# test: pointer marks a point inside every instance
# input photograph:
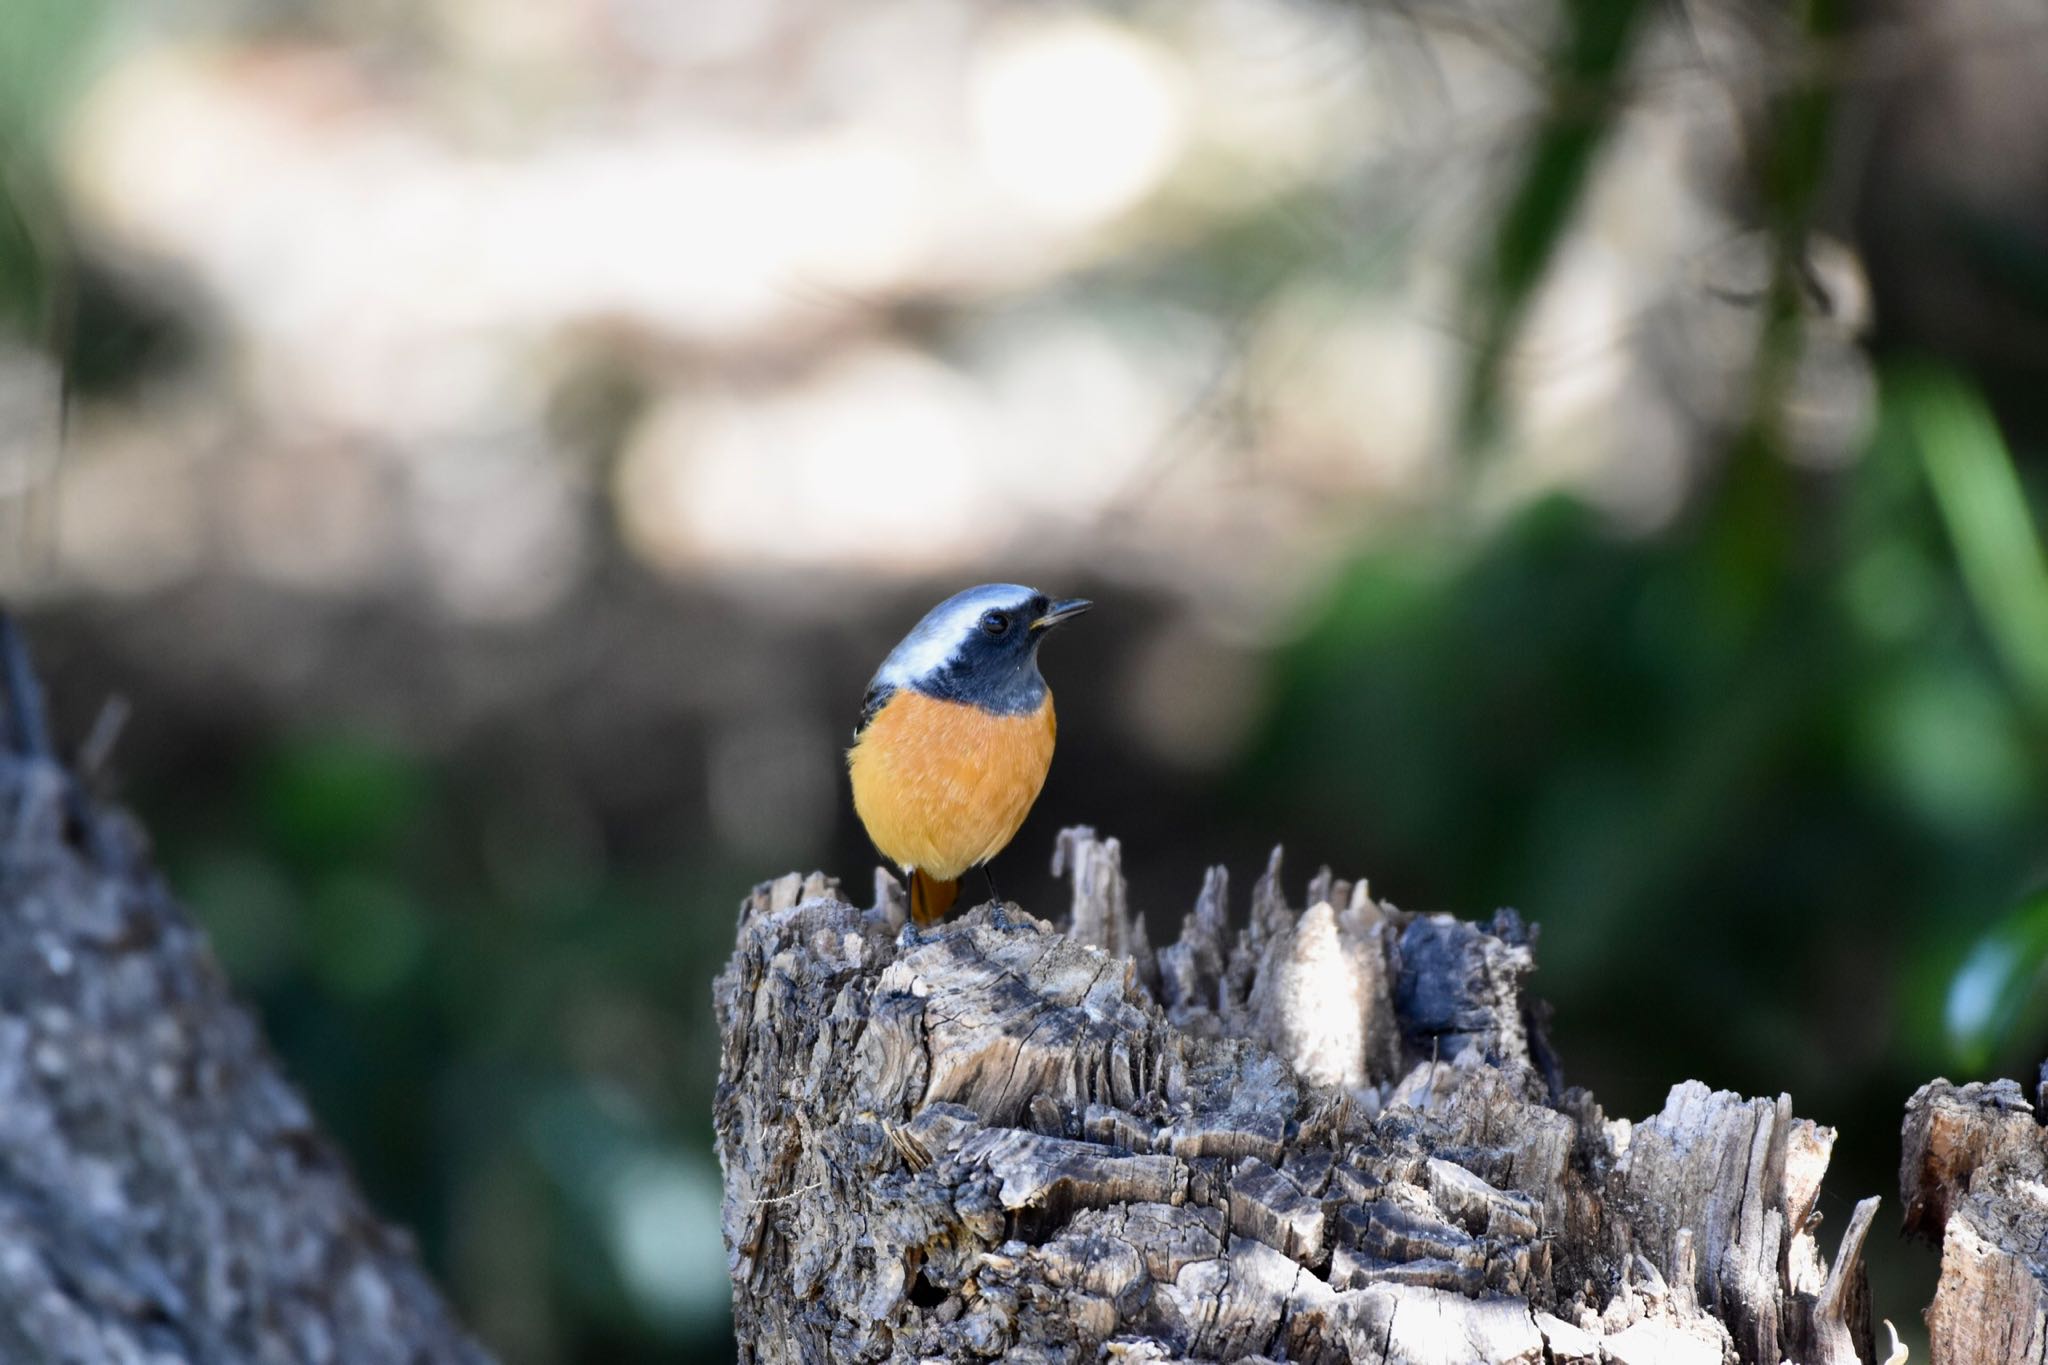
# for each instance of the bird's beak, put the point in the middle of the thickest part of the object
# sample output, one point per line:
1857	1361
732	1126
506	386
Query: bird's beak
1062	611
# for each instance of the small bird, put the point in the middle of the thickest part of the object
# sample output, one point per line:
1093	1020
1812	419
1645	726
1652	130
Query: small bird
955	737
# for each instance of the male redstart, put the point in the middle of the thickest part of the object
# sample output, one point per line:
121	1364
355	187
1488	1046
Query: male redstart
955	737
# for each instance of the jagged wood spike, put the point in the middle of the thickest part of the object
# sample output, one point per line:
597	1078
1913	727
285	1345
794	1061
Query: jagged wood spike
28	731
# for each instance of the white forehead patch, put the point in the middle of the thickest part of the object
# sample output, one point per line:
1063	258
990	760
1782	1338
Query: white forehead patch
934	641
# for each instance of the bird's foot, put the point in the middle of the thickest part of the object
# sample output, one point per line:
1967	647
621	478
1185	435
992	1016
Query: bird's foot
909	936
998	908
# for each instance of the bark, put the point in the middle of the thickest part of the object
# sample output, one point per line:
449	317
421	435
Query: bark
165	1195
1974	1178
1334	1135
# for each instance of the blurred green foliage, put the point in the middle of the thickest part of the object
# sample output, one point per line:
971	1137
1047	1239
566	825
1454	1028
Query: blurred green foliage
1816	786
505	1033
43	44
1998	986
1988	519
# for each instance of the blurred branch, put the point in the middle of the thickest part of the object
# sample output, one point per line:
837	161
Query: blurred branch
1870	53
27	731
1585	96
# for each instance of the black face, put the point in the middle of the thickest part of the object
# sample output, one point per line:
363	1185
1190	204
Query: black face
996	666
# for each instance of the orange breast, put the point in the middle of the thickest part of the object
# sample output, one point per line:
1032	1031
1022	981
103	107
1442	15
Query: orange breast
943	785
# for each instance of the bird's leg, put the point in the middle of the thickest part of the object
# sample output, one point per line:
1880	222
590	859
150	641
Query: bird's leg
908	936
997	915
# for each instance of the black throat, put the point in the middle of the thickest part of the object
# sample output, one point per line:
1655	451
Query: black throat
996	675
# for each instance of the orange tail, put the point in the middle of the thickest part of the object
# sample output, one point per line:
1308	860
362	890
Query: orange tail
930	898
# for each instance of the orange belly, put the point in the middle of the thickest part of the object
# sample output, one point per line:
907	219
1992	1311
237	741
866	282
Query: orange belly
942	785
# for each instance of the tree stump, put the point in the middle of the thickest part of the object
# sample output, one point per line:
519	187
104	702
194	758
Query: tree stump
1334	1135
165	1195
1974	1177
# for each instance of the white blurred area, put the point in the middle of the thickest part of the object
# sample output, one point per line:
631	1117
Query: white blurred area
1173	291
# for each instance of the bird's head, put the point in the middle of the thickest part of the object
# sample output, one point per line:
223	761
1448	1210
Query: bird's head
981	646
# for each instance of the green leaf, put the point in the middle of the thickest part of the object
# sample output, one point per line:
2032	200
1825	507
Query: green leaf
1984	509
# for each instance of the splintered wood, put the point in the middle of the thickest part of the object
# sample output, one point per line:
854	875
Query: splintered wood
1333	1135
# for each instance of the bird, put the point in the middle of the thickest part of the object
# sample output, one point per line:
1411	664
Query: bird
955	737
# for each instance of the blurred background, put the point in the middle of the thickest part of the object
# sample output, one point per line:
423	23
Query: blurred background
1579	455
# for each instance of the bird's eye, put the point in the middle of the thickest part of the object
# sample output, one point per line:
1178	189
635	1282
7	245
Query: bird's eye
995	622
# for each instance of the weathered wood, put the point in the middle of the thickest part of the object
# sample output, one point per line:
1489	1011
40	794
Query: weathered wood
165	1195
1335	1135
1974	1177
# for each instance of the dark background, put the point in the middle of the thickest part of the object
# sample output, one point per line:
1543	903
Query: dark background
1579	457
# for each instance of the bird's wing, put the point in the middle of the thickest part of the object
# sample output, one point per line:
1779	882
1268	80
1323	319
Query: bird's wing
877	697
